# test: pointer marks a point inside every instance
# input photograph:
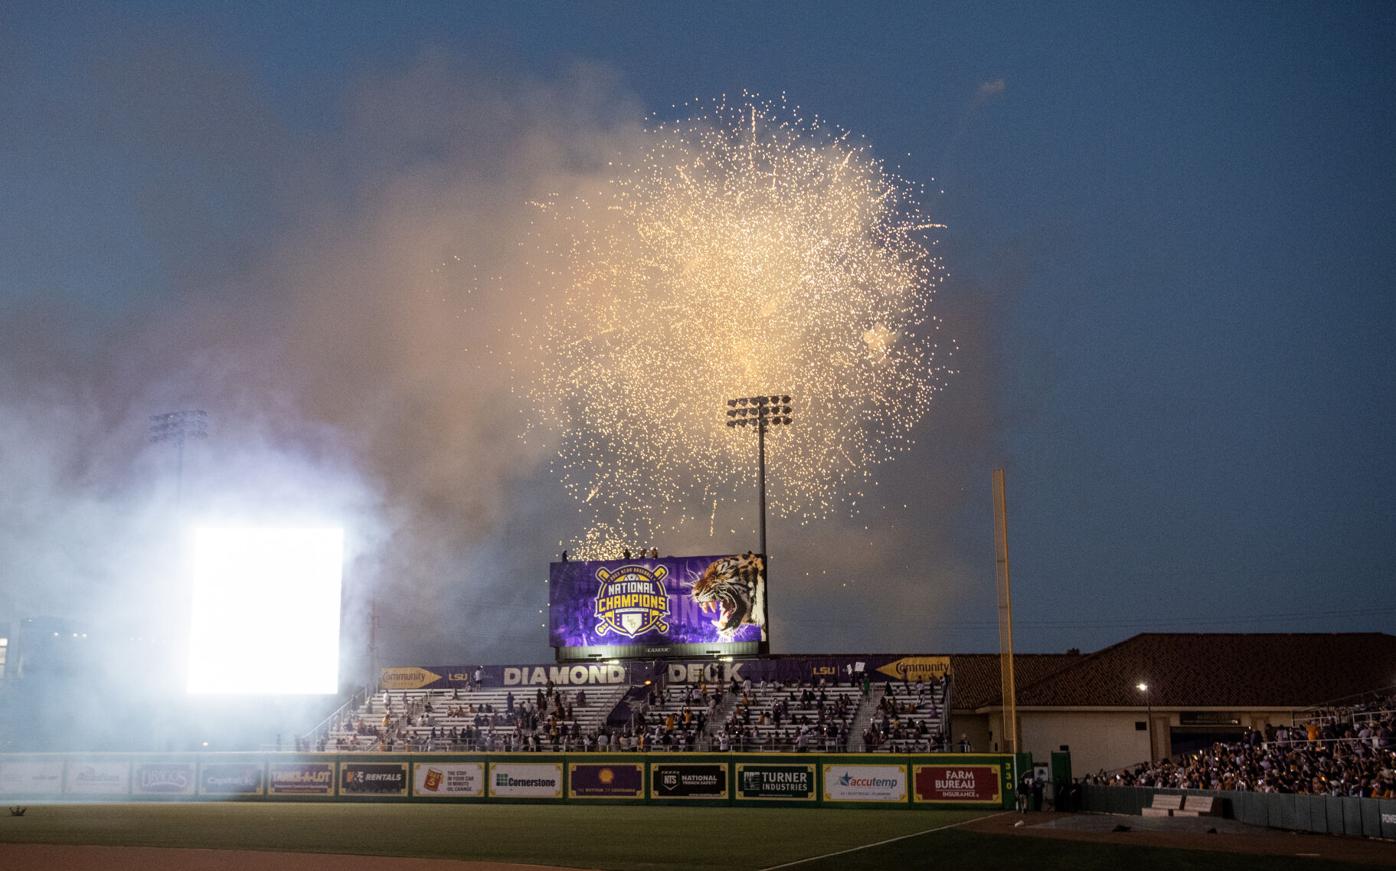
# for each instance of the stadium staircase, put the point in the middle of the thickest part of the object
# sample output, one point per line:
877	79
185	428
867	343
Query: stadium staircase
864	717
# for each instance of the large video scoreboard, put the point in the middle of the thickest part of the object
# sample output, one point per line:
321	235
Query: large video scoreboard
652	608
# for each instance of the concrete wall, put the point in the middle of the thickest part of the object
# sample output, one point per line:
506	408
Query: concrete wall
1098	739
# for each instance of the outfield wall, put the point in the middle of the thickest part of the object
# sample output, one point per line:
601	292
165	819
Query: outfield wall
1324	814
947	780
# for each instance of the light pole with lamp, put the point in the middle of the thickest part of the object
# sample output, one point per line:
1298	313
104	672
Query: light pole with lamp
760	412
1143	687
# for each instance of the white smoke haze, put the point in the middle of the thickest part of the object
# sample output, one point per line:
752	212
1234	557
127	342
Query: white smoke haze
339	295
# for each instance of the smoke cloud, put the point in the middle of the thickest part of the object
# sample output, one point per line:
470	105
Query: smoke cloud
338	292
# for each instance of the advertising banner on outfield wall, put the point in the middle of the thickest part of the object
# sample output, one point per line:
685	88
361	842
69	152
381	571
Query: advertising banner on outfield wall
300	778
103	777
373	778
958	784
653	604
31	777
606	780
526	779
775	782
865	783
163	778
688	780
230	778
448	779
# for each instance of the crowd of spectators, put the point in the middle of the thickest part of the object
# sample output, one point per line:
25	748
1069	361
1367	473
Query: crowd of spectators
1348	751
909	717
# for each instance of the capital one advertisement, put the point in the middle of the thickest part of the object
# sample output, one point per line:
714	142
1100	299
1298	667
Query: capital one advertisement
31	777
670	605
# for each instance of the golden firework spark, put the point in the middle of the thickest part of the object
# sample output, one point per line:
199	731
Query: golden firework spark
746	251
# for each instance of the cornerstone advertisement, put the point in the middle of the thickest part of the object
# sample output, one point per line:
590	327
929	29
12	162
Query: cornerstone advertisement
373	778
688	780
960	784
607	780
448	779
230	778
526	779
300	778
865	783
97	778
668	600
163	778
775	782
31	777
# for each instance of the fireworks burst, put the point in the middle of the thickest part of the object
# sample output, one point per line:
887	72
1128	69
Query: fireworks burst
746	251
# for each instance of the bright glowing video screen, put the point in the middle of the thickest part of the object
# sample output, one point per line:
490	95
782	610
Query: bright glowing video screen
666	606
266	610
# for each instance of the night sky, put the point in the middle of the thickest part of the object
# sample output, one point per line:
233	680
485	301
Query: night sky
1170	256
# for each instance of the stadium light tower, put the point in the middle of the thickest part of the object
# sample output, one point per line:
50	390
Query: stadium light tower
760	412
1143	687
178	427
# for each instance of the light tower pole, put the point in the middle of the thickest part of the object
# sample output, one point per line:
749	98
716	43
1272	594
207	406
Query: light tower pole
177	427
760	412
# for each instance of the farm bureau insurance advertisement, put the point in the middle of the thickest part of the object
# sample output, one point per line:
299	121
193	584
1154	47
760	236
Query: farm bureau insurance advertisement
670	600
877	783
448	779
957	783
775	782
526	779
36	777
300	778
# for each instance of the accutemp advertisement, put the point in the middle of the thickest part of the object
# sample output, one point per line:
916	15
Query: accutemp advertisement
870	783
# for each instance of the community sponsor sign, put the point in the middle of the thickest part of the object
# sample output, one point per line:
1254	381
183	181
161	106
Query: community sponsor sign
961	784
230	778
300	778
373	778
870	783
656	602
31	777
448	779
526	779
916	668
607	780
693	780
163	778
84	777
783	782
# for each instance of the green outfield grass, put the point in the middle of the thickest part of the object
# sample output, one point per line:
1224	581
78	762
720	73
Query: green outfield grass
609	837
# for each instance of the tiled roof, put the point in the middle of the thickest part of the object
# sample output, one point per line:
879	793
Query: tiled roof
1214	670
976	675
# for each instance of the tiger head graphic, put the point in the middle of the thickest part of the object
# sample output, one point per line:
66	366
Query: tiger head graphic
735	588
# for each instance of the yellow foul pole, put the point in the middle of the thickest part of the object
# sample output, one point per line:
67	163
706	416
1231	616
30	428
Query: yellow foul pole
1010	692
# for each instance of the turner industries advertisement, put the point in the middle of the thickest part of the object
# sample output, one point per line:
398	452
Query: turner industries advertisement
759	781
957	784
665	606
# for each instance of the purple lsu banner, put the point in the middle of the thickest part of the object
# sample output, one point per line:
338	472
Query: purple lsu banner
689	600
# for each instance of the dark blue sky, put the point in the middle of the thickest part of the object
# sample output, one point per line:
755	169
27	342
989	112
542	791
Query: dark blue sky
1172	257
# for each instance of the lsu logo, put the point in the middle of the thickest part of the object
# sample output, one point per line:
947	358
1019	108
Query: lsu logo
631	601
